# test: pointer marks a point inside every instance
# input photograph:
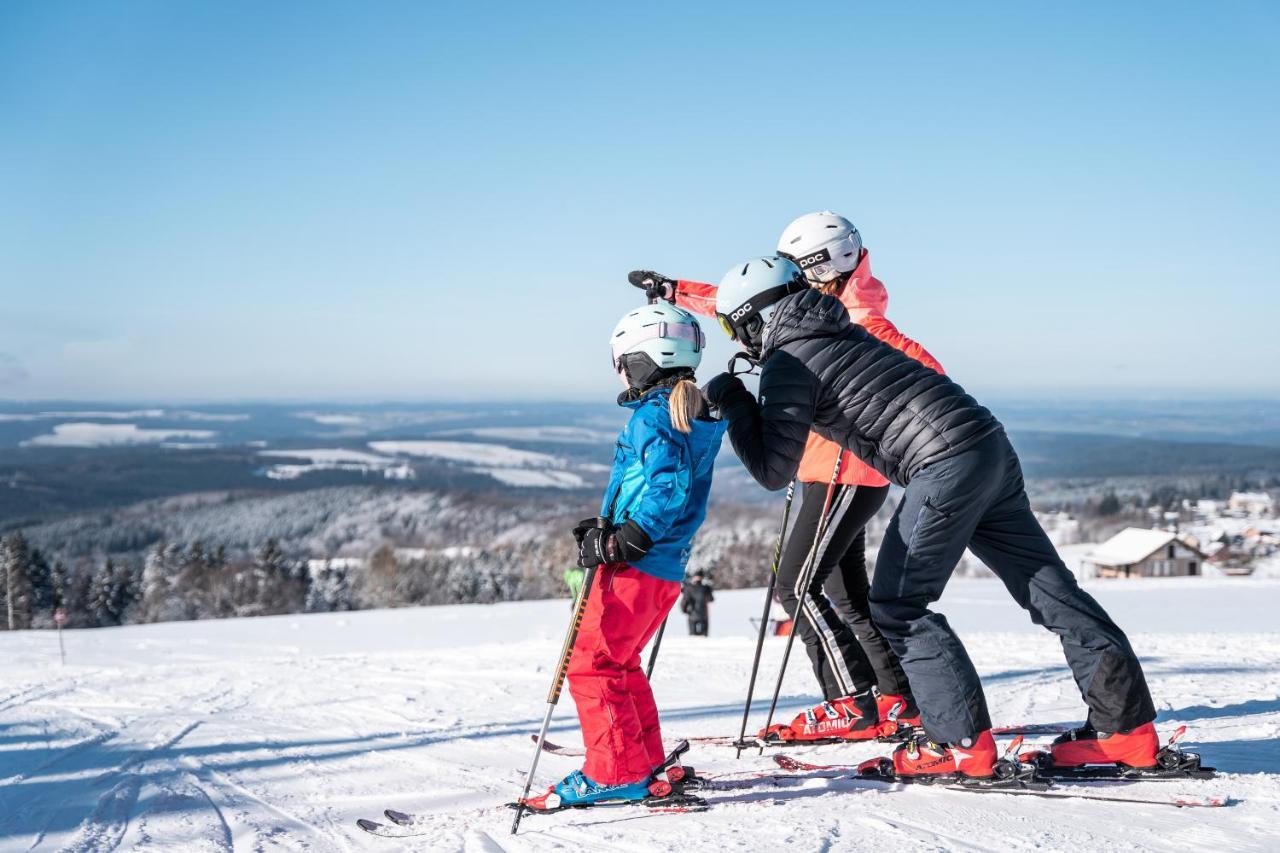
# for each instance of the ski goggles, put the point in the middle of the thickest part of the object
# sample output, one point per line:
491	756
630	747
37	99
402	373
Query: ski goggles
829	261
690	332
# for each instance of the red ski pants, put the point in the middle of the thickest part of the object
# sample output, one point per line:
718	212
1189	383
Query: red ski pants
619	718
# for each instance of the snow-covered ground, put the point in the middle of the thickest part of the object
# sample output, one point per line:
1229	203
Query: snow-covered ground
277	733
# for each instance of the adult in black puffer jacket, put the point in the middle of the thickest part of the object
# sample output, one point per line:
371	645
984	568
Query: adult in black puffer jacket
964	488
891	411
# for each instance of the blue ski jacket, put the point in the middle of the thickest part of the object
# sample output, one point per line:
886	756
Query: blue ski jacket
661	478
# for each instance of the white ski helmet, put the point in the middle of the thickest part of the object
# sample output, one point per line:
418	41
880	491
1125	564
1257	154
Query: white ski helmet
749	292
825	245
654	339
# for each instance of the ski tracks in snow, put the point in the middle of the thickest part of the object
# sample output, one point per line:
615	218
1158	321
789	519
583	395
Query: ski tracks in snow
220	748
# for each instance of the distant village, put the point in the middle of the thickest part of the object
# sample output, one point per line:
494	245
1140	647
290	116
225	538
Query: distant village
1238	536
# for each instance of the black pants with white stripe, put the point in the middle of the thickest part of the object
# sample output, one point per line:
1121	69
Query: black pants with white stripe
847	651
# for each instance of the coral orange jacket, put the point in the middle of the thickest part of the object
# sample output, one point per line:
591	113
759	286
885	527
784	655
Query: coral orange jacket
867	300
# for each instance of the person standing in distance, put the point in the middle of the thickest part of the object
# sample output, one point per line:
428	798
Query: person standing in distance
695	603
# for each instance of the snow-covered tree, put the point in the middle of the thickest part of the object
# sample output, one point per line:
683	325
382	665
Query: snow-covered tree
330	589
15	582
101	604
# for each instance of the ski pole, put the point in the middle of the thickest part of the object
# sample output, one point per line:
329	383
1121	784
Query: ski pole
557	684
802	587
764	617
653	653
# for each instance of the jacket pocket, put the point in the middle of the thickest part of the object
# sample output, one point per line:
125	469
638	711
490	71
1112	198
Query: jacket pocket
934	508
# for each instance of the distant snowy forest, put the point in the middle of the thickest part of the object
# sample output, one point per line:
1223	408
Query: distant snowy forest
214	556
120	515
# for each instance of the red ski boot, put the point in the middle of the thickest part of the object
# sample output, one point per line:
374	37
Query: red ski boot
1086	745
900	710
847	718
922	760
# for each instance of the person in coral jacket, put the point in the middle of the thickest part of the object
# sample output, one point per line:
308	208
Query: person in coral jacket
864	689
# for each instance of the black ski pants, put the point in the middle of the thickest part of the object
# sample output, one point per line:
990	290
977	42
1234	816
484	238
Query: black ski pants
977	499
847	652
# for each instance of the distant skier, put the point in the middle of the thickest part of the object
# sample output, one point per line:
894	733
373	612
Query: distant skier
964	488
655	502
861	679
698	594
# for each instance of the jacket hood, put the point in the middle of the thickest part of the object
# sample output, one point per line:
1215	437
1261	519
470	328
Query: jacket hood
808	314
864	294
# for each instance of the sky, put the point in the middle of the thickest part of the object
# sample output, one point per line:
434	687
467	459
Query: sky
429	201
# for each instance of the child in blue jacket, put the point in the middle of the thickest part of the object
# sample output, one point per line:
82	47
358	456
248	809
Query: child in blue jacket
655	502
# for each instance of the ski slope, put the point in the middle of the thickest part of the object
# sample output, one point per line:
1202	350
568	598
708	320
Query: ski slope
278	733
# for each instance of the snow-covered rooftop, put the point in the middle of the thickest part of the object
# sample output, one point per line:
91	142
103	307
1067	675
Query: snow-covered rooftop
1131	545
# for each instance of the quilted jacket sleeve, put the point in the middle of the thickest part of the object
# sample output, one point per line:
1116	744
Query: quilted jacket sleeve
769	436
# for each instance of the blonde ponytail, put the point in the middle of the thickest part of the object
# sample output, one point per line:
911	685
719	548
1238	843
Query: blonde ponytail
685	405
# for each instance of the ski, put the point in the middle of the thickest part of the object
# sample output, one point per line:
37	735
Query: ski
403	825
557	749
579	752
1023	784
383	830
1054	792
1030	729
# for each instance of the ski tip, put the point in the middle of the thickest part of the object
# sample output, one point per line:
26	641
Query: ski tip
398	817
1213	803
368	825
786	762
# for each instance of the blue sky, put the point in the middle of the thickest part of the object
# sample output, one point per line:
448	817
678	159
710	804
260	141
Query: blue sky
355	201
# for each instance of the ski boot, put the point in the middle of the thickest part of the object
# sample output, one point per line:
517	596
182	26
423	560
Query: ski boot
976	765
849	718
899	710
1086	753
578	790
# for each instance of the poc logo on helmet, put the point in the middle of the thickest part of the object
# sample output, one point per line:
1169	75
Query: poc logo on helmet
819	257
743	310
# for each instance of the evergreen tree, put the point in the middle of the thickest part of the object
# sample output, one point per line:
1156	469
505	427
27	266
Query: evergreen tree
330	590
1109	505
126	584
15	581
42	591
102	595
58	586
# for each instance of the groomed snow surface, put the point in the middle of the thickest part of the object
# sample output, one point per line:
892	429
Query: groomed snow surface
278	733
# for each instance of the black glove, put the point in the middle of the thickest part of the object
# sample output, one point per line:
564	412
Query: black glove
581	528
624	544
655	285
722	389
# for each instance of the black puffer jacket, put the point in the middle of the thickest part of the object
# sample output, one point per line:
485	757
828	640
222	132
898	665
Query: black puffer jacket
822	372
